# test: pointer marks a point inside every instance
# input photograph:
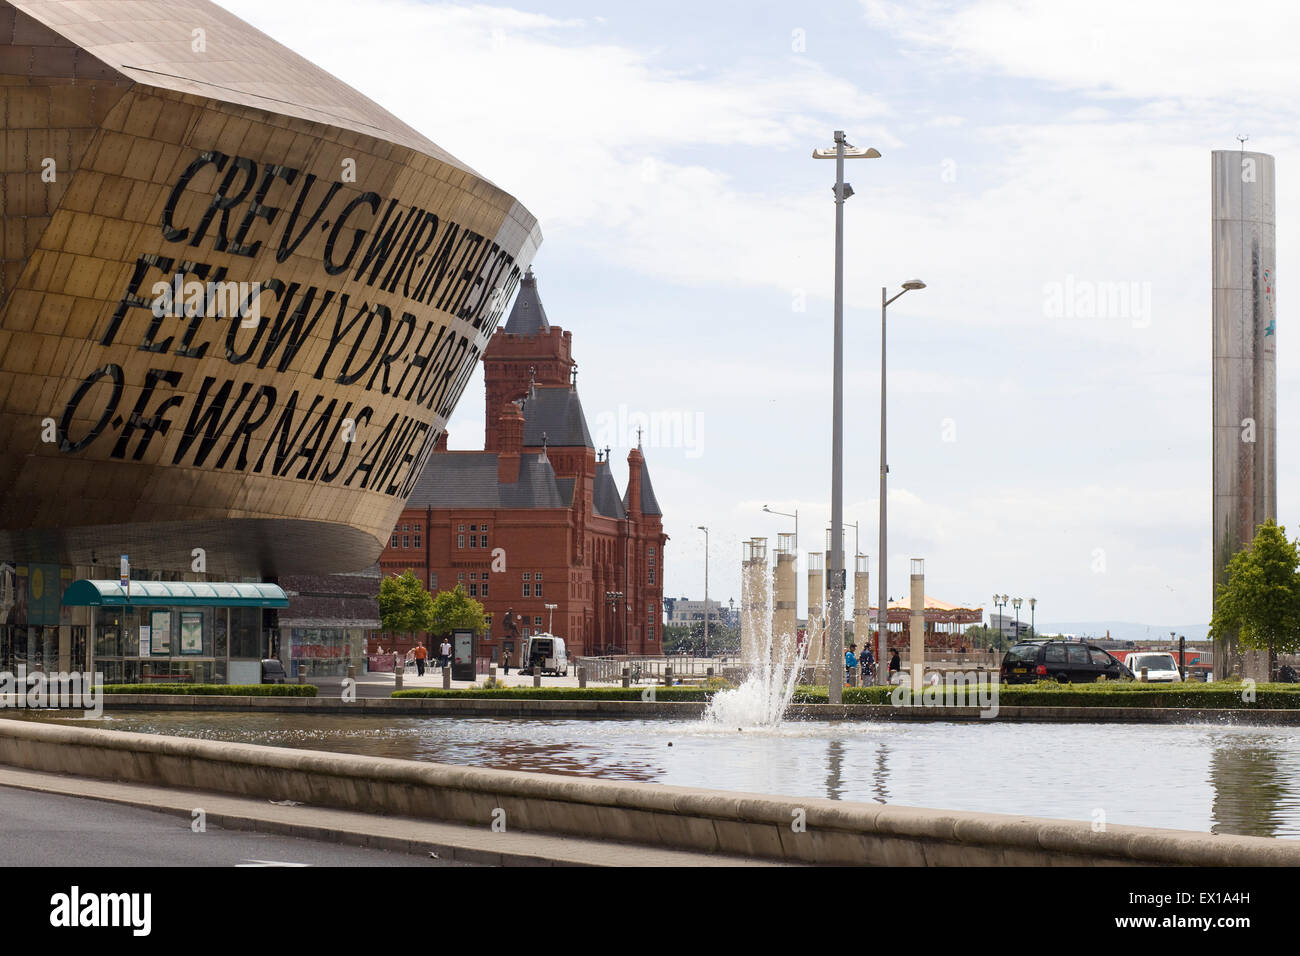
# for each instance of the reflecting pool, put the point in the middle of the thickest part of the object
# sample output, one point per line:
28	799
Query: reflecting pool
1243	780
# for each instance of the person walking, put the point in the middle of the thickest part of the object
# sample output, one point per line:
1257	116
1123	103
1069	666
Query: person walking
895	665
421	652
867	661
445	651
850	664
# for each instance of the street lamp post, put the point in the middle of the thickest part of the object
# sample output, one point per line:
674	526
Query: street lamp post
843	191
614	598
786	514
1015	602
1033	603
706	588
882	615
550	621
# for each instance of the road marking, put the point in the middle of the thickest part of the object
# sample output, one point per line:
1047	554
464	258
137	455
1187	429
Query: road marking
270	863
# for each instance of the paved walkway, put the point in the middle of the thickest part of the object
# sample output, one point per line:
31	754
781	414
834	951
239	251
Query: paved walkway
452	842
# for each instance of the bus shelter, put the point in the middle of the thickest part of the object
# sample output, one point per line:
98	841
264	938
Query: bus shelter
178	631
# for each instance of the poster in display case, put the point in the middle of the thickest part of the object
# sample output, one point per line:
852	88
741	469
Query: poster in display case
160	634
191	632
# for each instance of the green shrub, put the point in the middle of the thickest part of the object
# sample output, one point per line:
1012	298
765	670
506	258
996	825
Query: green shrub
216	690
562	693
1043	694
1111	694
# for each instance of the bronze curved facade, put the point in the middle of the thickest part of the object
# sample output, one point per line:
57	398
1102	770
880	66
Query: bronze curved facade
238	300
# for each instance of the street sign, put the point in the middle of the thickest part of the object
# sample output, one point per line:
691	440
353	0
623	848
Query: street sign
125	573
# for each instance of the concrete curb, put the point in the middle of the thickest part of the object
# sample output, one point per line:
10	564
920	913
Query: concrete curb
741	824
451	842
548	709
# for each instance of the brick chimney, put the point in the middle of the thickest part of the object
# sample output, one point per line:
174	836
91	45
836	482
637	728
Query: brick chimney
441	443
510	433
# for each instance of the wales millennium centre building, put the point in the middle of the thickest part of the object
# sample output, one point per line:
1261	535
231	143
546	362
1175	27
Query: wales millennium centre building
238	303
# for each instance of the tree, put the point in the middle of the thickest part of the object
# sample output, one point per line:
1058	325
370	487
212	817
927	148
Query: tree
689	638
405	607
456	611
979	637
1260	601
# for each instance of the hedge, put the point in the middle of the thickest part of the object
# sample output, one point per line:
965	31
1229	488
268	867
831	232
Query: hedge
1044	694
1223	695
216	690
562	693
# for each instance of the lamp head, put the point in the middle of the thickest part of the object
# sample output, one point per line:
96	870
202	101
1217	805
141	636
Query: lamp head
911	284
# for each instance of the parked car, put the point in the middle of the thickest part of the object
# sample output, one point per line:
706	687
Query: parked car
1161	667
273	672
1070	662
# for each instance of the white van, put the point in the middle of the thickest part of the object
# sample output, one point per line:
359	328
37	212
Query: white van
547	654
1161	667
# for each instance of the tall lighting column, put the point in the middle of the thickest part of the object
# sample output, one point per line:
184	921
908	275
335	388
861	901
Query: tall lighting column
835	645
706	588
882	616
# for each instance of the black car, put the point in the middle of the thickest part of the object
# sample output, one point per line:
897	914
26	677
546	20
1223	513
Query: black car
1070	662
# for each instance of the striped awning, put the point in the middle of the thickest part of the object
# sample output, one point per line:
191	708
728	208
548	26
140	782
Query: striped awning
85	593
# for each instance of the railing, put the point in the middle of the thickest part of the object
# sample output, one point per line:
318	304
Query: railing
610	669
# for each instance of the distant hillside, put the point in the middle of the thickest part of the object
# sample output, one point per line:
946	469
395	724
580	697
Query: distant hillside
1126	630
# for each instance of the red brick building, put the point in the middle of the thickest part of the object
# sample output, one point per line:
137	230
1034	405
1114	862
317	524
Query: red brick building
536	518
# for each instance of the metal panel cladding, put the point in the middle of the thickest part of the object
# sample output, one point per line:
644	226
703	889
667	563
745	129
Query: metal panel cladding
1243	215
238	300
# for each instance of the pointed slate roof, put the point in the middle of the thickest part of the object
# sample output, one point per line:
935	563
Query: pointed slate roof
527	317
469	480
605	497
649	503
556	412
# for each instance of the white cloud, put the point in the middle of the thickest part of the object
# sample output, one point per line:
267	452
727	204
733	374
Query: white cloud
1181	49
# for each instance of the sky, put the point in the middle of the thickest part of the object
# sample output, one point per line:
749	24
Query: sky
1029	151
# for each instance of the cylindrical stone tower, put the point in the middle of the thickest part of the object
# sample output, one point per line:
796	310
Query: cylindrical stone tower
916	626
1244	284
785	595
862	603
816	631
754	607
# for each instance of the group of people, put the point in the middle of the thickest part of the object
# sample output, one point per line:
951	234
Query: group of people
866	664
421	655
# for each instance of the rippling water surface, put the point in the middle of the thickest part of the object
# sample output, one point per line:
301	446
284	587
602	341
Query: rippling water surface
1197	777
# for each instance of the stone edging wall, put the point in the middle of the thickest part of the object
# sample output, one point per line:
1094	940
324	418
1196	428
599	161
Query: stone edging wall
781	828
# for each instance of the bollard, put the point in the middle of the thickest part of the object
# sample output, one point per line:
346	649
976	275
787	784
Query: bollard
708	672
398	671
446	677
492	673
668	675
582	677
627	677
352	671
537	676
1144	676
302	675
